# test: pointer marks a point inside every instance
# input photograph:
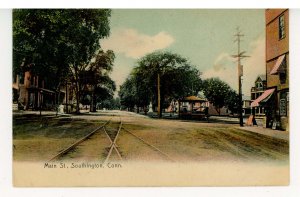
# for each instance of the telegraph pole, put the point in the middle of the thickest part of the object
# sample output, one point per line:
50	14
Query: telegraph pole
240	55
158	96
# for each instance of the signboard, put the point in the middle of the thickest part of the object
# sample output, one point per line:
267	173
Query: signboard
282	107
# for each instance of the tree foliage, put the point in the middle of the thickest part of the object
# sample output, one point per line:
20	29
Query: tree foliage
178	78
128	93
95	80
110	104
58	42
232	101
220	94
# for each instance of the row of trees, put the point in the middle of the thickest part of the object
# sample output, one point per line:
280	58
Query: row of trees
161	77
63	46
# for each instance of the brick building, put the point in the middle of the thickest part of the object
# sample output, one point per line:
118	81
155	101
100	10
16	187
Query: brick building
277	62
275	98
31	93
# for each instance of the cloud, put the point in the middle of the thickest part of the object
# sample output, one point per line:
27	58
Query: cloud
225	67
254	65
134	44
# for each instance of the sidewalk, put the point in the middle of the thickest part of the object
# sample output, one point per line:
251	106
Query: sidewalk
267	131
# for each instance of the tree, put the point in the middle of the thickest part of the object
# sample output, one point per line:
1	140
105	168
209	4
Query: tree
216	91
95	80
58	41
111	104
159	77
232	101
128	93
170	75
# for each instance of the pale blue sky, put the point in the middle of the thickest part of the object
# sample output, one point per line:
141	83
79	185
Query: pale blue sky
203	36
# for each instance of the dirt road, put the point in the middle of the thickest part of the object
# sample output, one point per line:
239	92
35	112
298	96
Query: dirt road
144	139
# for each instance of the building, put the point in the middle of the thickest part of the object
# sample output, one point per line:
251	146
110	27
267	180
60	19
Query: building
246	105
275	98
193	107
277	62
212	111
260	85
31	93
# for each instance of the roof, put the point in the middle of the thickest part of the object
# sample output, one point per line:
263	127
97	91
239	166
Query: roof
263	98
262	77
193	98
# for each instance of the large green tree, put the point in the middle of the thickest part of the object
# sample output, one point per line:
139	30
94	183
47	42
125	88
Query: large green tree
160	77
220	94
58	41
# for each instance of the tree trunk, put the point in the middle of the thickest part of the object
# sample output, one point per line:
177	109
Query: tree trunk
218	110
77	90
93	102
57	99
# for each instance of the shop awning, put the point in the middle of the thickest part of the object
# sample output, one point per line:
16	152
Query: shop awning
263	98
275	69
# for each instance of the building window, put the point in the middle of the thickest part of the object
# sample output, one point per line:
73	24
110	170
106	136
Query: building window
253	96
281	27
259	85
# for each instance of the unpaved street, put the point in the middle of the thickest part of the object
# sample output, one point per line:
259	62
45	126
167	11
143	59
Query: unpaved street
144	139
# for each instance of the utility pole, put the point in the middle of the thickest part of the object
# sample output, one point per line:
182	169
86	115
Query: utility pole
240	55
67	111
158	96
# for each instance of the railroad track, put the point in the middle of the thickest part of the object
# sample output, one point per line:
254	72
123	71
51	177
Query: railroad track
167	157
112	131
72	146
112	134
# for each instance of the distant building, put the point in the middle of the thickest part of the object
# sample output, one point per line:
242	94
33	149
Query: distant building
260	85
224	111
193	107
246	105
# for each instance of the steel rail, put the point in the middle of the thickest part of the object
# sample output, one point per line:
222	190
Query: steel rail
113	143
153	147
61	153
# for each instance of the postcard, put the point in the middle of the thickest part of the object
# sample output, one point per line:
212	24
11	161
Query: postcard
150	97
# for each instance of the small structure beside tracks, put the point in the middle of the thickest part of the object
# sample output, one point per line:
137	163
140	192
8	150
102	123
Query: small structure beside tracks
193	107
